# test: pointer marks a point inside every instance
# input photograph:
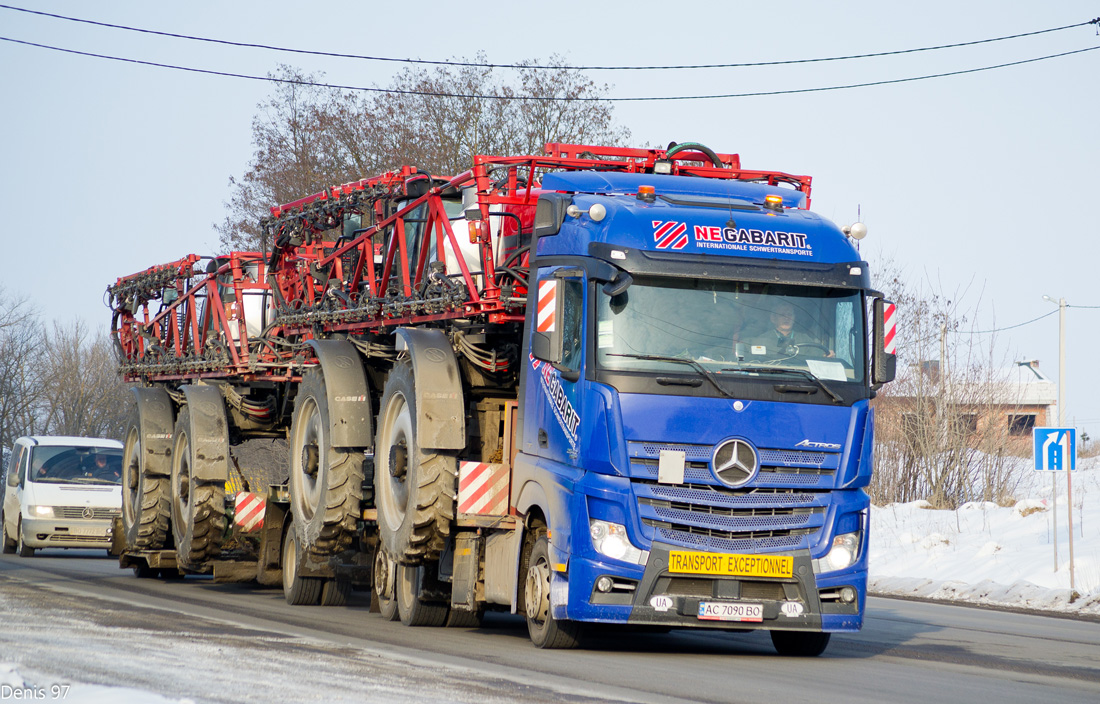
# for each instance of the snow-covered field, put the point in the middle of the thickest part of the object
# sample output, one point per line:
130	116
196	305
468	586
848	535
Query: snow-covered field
987	554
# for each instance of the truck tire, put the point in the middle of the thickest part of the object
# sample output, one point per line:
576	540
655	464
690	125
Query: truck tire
412	610
383	578
800	643
334	592
298	590
464	619
414	489
545	630
326	482
146	508
198	508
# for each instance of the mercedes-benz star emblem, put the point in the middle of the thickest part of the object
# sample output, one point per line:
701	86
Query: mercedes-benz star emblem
87	512
735	463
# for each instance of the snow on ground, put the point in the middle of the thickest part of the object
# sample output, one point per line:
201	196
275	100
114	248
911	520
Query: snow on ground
14	687
988	554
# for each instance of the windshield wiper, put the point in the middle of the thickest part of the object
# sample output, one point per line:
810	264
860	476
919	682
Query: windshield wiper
703	371
784	370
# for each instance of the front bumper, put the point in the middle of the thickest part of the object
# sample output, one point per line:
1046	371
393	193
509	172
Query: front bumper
66	533
656	597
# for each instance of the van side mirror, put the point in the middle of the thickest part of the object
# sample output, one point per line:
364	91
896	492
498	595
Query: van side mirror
13	476
883	356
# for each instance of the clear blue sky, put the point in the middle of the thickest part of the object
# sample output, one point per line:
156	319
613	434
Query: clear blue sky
977	184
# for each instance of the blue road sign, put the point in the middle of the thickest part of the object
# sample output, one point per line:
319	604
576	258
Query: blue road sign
1055	448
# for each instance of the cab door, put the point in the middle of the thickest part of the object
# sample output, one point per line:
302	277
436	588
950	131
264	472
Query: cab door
553	395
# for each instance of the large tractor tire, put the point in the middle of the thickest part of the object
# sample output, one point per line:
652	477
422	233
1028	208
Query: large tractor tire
198	507
412	610
545	630
326	482
414	489
146	506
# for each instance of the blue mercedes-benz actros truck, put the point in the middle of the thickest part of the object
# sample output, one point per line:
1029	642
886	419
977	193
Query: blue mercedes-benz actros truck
597	385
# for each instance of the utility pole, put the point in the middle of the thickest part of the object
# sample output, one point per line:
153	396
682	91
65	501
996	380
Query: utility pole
1061	424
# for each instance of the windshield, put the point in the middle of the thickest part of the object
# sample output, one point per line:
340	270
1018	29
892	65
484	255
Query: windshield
731	327
66	464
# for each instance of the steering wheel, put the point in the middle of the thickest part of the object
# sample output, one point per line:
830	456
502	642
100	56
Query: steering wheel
799	346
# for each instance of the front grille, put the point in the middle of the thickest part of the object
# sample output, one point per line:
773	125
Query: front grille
63	538
782	508
78	512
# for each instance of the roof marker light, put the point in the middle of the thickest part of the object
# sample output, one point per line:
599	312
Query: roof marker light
774	202
647	194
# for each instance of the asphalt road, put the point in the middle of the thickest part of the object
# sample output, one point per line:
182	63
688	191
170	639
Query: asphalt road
77	616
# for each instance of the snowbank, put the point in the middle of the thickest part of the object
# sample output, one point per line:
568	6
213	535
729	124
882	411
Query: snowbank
989	554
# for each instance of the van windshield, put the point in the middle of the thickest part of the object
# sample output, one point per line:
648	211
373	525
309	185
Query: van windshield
67	464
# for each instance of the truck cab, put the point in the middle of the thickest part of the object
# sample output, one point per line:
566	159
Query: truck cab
696	431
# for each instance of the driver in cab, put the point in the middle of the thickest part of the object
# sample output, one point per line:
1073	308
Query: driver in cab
783	339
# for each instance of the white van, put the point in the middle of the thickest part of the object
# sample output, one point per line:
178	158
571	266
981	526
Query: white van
61	492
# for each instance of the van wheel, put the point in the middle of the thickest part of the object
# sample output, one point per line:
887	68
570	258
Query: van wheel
9	544
23	549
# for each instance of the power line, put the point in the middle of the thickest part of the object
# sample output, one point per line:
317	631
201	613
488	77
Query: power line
475	96
475	64
1010	327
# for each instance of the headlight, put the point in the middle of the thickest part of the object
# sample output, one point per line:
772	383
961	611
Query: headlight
610	539
844	553
40	511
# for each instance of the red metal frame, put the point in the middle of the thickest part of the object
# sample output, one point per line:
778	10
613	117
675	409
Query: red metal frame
201	334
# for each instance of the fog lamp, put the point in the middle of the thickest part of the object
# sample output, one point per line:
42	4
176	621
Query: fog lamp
604	584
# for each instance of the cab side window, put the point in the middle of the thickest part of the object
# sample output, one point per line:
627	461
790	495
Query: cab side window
572	323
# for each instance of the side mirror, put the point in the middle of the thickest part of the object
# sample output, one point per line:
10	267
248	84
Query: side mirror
13	477
883	357
547	339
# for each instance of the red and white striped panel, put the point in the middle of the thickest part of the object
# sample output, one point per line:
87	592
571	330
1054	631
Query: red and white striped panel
249	515
889	327
483	489
548	295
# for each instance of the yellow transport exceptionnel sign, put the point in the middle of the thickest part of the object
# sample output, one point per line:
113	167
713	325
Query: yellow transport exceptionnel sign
729	565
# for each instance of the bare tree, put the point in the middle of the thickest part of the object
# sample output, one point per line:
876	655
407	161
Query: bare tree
307	138
20	338
82	394
941	430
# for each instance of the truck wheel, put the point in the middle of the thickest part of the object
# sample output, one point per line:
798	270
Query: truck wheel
464	619
22	548
414	489
198	508
145	490
545	630
800	643
326	482
9	543
412	610
298	590
383	578
142	570
334	592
